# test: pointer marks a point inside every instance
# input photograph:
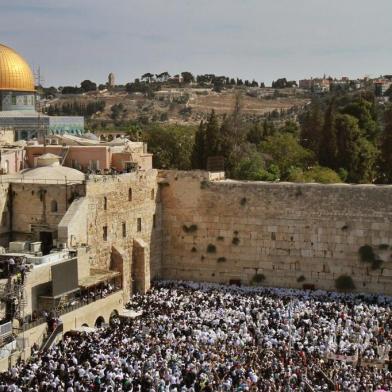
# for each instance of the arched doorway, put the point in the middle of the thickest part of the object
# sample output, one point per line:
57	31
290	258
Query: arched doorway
99	322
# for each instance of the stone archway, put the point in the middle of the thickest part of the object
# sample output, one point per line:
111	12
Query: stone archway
99	322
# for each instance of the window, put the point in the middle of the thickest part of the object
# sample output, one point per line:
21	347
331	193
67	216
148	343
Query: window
13	99
105	233
94	165
130	194
105	203
124	229
152	193
139	224
53	206
154	221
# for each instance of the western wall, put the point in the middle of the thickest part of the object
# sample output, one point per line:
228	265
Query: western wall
292	234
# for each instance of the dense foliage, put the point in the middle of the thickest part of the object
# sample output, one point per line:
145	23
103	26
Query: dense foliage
337	138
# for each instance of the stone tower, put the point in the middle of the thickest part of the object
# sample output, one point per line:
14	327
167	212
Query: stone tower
111	80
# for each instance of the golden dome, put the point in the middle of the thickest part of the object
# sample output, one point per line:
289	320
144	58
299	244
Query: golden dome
15	73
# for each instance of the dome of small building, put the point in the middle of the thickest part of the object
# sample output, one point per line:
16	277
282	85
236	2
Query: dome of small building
15	73
49	169
48	160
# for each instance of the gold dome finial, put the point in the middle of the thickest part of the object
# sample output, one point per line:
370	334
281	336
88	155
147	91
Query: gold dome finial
15	73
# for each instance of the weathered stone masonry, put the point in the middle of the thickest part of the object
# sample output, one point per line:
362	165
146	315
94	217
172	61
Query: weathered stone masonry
293	234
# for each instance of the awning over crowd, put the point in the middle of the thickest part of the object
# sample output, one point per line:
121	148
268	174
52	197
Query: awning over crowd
96	277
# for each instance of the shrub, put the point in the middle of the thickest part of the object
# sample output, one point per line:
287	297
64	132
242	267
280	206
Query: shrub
221	259
189	229
344	283
258	278
383	246
344	228
376	264
243	201
194	250
204	184
235	241
220	238
367	254
211	248
301	279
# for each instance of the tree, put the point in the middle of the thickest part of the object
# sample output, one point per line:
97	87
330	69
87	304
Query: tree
368	156
187	77
88	85
250	168
318	174
171	145
328	145
286	152
347	140
70	90
255	134
148	77
386	148
212	141
311	128
364	111
198	153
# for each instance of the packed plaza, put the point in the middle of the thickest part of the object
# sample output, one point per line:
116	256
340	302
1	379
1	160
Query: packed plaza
205	337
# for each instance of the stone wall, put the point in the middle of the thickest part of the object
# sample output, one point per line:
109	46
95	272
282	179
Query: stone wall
4	214
116	203
33	210
293	234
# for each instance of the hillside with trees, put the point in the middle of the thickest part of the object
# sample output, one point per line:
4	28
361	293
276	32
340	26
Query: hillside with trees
347	138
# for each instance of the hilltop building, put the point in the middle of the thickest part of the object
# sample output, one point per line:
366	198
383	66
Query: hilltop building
18	100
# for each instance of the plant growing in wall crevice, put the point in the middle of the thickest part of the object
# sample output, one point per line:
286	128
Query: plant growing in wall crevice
301	279
344	283
235	241
221	260
258	278
367	255
211	248
189	229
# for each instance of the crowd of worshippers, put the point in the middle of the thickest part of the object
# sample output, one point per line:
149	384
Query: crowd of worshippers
202	337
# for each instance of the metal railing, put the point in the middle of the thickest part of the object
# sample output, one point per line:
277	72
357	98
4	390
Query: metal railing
67	309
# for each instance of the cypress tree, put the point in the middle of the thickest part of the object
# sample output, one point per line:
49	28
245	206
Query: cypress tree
198	152
311	128
386	148
328	146
212	139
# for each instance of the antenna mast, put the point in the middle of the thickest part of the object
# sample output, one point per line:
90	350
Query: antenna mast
41	132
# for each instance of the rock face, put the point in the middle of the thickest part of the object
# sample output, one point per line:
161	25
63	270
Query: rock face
282	234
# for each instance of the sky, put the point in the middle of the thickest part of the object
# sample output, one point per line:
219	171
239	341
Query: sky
73	40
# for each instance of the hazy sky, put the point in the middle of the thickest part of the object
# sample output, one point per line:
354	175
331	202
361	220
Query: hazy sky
73	40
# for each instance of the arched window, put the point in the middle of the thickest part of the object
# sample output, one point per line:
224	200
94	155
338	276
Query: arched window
53	206
130	194
105	203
